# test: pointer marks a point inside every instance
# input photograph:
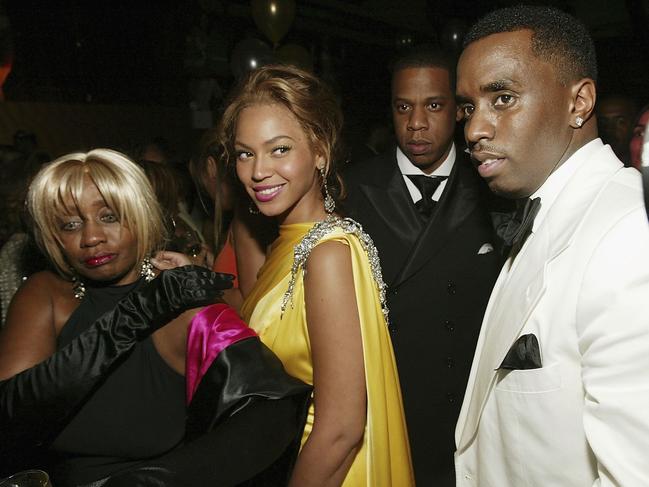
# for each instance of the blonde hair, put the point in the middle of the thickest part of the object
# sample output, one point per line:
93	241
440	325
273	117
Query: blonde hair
121	183
310	101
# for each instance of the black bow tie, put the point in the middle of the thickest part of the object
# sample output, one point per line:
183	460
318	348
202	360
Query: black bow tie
427	185
520	224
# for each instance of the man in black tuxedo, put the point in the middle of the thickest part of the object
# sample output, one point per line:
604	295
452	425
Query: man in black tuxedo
426	210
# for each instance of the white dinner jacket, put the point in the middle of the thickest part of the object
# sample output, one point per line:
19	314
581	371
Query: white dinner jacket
581	285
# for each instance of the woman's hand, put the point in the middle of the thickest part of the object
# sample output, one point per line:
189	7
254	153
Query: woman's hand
166	259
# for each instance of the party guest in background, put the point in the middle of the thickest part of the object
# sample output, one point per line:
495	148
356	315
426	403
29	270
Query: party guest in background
231	226
101	393
319	301
184	236
157	150
558	391
19	256
615	116
637	138
426	210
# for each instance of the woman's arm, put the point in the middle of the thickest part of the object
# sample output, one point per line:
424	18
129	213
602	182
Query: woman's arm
338	369
250	234
170	341
29	336
37	401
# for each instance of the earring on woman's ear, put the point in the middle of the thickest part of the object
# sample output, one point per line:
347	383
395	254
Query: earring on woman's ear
579	121
252	208
78	287
329	203
146	271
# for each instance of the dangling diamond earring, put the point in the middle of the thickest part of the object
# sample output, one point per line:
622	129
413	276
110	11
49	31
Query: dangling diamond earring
252	208
329	203
579	121
146	270
78	287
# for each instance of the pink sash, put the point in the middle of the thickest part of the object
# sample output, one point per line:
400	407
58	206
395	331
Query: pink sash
213	329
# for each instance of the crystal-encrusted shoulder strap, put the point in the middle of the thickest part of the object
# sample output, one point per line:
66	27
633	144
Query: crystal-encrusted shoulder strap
320	230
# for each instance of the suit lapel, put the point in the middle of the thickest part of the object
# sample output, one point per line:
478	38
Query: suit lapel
386	191
516	294
458	201
503	322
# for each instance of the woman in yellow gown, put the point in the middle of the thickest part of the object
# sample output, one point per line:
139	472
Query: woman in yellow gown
319	302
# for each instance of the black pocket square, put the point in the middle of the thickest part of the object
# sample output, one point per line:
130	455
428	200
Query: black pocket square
523	354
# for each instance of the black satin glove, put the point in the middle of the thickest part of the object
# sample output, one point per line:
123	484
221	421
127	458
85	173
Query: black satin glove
38	402
174	291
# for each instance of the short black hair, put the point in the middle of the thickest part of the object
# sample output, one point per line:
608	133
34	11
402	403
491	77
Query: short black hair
426	56
557	37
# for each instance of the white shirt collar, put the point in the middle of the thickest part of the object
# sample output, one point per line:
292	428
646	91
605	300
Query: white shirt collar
408	168
554	184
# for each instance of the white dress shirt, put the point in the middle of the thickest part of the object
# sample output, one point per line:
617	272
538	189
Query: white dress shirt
408	168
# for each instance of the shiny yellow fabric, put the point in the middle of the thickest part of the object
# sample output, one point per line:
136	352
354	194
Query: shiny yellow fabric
384	458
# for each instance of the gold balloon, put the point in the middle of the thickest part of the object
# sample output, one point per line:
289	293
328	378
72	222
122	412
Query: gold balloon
273	17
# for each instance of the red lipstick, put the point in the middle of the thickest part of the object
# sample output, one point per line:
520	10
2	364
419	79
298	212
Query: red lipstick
98	260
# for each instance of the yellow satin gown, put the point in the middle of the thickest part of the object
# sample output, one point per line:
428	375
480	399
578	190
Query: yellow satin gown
275	310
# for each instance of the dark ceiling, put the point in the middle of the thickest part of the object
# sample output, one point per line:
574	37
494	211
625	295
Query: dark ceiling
144	52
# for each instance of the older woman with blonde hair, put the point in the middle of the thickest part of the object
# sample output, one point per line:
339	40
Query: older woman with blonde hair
102	368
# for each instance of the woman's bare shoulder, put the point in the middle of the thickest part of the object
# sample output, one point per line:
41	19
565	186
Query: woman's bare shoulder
47	284
330	253
36	314
48	293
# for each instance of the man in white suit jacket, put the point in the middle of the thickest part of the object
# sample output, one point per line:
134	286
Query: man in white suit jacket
558	393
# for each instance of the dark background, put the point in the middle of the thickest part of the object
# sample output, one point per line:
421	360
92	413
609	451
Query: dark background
141	52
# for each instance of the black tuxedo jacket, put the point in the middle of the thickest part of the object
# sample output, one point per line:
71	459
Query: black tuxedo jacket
439	275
